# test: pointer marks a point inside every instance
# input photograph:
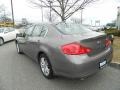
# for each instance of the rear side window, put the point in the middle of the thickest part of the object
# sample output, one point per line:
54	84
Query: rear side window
71	29
11	29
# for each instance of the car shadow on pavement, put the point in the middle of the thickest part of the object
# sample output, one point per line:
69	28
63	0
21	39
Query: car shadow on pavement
77	84
8	42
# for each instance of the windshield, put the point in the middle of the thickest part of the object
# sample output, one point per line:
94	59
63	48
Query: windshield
70	29
1	30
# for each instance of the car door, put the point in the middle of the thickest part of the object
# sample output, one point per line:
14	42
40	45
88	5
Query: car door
39	41
7	35
12	33
24	41
33	41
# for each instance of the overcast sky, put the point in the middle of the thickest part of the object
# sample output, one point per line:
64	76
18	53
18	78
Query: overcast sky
103	10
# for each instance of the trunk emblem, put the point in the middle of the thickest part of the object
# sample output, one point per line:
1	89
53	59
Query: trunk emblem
100	45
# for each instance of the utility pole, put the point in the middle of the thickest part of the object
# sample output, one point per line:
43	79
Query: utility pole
42	11
118	19
50	1
4	18
82	15
12	12
50	13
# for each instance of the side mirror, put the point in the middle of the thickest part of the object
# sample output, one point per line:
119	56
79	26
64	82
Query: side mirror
21	35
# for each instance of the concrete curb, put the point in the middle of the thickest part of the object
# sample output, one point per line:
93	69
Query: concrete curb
115	65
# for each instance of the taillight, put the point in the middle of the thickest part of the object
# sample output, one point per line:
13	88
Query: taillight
107	42
75	49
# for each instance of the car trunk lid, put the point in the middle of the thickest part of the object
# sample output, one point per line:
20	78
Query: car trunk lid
93	40
97	44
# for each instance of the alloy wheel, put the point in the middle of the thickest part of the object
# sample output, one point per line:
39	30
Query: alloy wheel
44	66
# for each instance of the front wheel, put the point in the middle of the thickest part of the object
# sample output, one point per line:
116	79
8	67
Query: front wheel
1	41
45	66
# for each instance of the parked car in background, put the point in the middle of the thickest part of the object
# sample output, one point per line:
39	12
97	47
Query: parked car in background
69	50
97	28
7	34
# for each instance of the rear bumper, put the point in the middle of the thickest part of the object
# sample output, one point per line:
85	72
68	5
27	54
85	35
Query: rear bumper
73	66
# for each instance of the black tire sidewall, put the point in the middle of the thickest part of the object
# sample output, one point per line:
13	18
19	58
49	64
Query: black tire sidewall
2	41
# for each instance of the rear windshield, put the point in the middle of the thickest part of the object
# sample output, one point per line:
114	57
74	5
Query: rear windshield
70	29
1	30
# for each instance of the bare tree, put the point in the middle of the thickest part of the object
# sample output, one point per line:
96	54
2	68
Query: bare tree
5	18
4	15
50	16
63	8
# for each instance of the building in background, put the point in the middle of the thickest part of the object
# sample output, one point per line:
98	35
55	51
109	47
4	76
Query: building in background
118	19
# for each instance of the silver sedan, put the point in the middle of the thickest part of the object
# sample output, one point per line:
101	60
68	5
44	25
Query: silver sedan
65	49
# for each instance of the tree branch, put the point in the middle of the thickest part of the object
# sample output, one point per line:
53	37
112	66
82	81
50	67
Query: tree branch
46	5
85	2
66	3
72	6
59	3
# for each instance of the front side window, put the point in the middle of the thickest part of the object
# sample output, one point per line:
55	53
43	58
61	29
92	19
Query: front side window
29	30
6	31
11	29
37	30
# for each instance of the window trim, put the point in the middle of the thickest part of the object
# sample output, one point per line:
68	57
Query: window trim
45	32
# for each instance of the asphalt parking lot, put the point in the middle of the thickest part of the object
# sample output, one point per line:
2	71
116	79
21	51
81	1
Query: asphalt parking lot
19	72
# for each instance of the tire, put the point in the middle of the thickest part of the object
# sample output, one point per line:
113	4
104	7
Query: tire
45	66
18	49
1	41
